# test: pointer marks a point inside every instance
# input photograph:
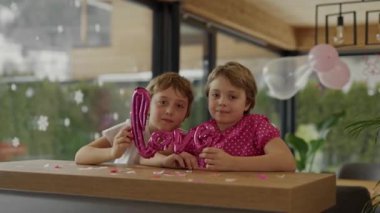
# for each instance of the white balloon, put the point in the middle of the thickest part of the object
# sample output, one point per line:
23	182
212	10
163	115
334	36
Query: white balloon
286	76
302	75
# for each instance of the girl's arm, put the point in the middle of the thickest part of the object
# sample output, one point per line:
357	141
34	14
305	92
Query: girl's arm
277	157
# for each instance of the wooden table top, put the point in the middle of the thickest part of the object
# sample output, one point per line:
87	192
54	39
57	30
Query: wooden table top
272	191
369	184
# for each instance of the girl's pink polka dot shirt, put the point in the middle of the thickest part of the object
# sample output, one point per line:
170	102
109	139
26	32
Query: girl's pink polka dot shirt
246	138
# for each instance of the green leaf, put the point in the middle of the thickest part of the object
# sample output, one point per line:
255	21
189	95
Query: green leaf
325	125
301	165
316	145
357	127
297	143
301	148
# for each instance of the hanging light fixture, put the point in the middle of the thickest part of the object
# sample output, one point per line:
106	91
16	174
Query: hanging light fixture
339	34
378	30
345	35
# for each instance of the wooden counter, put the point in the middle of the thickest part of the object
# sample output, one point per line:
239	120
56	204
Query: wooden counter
220	191
369	184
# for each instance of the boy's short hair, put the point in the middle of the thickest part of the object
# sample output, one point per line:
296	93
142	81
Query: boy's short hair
174	80
239	76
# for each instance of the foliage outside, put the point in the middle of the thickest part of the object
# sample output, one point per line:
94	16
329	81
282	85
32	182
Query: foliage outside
315	104
355	129
309	139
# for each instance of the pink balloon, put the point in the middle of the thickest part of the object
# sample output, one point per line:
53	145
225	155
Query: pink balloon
337	77
323	57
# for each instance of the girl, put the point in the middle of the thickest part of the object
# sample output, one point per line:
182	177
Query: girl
171	98
234	140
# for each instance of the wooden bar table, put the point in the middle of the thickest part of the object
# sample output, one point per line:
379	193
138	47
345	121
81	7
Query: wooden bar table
369	184
372	186
63	186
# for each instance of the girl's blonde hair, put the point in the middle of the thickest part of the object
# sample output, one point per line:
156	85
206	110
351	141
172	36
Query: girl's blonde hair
175	81
239	76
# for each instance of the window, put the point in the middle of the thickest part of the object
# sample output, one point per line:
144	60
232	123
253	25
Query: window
191	66
65	70
360	100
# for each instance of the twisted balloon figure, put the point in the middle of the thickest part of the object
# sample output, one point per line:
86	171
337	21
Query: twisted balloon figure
139	114
159	140
203	136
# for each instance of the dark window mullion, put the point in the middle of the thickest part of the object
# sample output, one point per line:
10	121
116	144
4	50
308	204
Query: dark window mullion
166	37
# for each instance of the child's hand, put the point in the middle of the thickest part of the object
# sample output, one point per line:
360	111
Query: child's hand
121	142
216	159
182	160
190	160
173	161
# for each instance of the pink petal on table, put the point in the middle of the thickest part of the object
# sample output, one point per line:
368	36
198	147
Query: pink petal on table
262	176
114	170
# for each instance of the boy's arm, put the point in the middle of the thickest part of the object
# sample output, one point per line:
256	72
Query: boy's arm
96	152
101	150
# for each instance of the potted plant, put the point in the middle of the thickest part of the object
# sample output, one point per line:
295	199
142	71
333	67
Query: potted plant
306	145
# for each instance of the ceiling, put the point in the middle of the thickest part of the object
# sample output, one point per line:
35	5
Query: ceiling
302	12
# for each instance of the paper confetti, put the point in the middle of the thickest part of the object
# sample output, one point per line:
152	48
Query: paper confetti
114	170
180	173
229	180
86	168
262	176
158	172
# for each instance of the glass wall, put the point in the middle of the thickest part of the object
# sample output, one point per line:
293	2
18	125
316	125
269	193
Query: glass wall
191	66
67	70
358	100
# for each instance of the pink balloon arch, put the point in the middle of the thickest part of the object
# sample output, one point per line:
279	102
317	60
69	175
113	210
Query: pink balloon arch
286	76
323	57
332	72
337	77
